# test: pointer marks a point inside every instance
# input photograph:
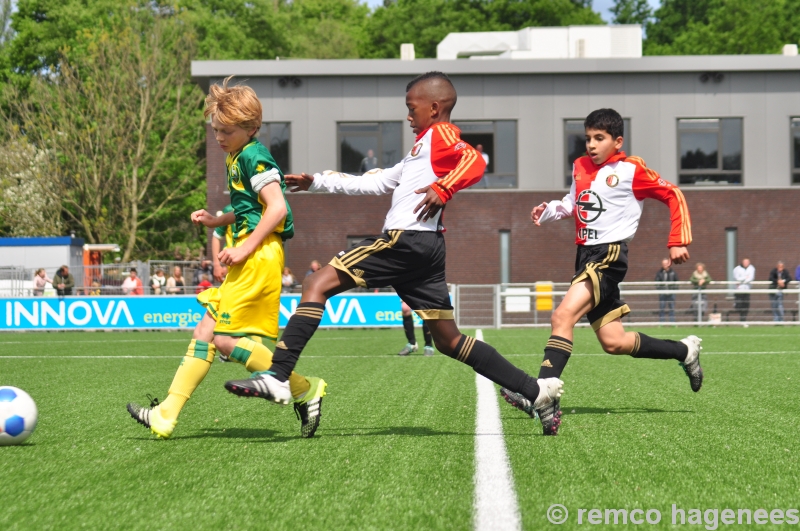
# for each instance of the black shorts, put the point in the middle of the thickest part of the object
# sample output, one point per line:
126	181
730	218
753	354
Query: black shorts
412	262
605	265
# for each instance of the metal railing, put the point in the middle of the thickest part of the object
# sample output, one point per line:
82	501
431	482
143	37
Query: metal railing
521	305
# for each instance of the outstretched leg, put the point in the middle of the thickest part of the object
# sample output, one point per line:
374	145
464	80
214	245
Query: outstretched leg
317	288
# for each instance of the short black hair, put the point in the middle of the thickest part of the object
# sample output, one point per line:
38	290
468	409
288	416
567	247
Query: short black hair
133	270
428	75
607	120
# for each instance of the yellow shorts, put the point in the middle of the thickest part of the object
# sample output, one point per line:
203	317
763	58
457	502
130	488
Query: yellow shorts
248	302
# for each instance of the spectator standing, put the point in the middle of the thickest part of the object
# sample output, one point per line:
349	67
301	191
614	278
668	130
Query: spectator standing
666	278
700	279
175	283
370	162
158	282
287	280
133	284
744	274
313	268
479	149
203	285
63	282
779	279
205	269
40	281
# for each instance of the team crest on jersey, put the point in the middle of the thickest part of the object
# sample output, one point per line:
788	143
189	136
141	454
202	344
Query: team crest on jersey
236	176
590	206
460	145
612	180
416	149
662	182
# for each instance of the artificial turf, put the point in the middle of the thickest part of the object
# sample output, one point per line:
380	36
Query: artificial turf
396	446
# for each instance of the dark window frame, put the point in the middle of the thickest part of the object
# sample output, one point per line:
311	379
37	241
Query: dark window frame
685	176
268	134
494	180
793	150
340	134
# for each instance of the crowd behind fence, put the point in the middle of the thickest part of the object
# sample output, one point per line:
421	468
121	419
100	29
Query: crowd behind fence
489	305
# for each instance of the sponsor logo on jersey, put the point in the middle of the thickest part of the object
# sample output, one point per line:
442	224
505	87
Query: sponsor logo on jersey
590	206
416	149
662	182
460	145
612	180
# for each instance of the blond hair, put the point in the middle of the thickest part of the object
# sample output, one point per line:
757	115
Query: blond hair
236	105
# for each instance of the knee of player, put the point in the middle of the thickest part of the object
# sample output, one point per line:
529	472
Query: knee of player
613	347
561	318
225	344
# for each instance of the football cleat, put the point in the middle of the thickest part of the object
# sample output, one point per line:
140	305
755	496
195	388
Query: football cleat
408	349
691	366
548	404
150	417
309	408
262	384
519	402
428	351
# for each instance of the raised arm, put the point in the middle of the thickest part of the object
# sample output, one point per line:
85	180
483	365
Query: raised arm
374	182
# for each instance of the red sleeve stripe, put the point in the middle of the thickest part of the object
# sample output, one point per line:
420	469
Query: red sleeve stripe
686	223
467	160
448	134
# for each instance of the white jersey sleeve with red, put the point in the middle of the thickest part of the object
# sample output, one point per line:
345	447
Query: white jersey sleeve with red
439	158
607	201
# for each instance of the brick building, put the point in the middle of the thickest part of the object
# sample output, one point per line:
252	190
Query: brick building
726	128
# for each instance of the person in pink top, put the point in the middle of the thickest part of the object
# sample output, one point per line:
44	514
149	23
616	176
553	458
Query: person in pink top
133	284
40	281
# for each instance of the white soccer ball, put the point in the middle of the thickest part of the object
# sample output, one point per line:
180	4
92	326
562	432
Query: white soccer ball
18	416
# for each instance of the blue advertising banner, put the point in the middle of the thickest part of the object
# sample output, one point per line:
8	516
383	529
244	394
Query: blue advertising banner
178	312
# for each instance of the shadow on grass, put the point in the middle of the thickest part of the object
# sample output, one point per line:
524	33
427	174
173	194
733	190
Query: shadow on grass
619	410
411	431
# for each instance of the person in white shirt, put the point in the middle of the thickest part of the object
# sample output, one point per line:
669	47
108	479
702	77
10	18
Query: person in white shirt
743	274
479	149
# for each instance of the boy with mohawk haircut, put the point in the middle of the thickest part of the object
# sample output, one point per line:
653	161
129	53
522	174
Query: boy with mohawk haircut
410	254
606	200
242	314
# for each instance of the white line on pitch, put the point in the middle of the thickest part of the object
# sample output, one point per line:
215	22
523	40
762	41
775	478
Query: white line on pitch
496	506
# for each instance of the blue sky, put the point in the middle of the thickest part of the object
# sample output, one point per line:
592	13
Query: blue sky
599	5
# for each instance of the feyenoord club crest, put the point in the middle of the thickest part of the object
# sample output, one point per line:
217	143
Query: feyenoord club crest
416	149
590	206
612	180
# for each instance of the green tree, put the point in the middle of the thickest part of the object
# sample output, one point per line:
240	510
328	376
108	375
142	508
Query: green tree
325	29
122	124
426	22
631	12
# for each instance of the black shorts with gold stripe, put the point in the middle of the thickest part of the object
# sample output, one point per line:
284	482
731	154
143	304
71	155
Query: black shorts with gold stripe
412	262
605	266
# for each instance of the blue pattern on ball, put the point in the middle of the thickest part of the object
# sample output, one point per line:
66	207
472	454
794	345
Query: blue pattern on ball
7	395
15	425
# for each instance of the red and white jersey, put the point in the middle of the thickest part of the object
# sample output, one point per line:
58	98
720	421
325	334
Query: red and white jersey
439	159
606	201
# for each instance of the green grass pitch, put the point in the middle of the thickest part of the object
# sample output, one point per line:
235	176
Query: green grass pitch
396	446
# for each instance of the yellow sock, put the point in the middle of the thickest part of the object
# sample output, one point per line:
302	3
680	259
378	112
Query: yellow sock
257	357
192	370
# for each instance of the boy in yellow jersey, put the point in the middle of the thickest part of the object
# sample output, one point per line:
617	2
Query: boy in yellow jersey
242	314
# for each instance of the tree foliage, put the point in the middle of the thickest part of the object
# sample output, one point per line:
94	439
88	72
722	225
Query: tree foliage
426	22
631	12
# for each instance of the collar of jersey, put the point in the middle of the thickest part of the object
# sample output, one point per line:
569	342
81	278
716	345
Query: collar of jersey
419	136
234	155
618	156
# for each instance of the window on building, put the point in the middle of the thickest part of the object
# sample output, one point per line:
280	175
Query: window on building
498	142
795	150
710	151
575	144
275	136
369	145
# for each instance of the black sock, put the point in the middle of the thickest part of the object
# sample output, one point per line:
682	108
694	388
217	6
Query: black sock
426	332
486	361
658	349
408	326
556	356
299	330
